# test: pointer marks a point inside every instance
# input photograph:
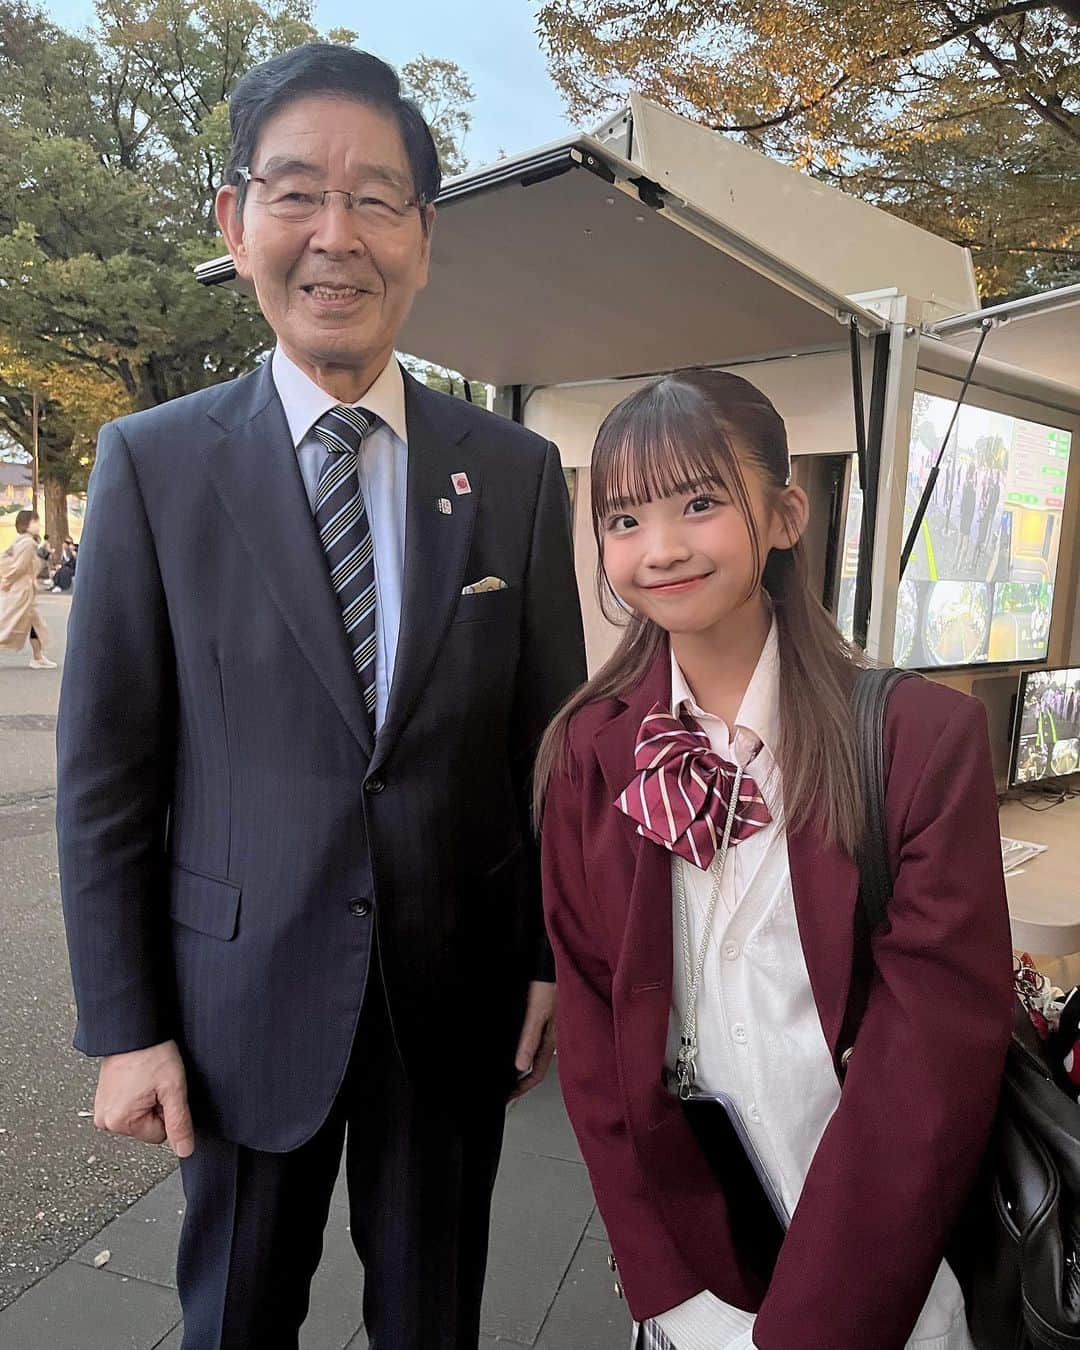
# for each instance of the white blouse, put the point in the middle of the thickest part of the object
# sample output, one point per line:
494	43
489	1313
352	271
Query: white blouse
760	1039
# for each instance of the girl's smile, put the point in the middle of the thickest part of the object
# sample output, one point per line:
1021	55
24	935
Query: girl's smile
678	586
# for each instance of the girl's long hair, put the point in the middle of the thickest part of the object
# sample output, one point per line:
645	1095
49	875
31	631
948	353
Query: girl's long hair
680	433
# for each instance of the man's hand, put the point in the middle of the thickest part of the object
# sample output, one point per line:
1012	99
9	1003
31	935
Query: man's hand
537	1043
144	1094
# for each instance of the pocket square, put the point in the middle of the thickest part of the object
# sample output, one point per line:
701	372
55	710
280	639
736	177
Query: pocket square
487	584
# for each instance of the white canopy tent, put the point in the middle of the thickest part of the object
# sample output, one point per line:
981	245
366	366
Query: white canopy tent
1039	334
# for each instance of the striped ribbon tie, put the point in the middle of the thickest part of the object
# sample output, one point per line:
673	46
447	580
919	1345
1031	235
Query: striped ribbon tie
680	794
345	532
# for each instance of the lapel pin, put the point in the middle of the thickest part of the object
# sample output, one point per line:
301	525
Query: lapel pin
460	482
444	505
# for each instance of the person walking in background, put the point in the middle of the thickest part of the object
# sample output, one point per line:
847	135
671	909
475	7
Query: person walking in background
967	515
950	485
20	621
300	883
988	511
702	812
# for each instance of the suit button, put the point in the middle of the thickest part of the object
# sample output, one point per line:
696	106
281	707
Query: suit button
375	784
618	1290
361	908
611	1263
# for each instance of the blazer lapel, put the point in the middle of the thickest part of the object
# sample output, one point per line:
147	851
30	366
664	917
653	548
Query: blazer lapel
255	472
436	547
643	975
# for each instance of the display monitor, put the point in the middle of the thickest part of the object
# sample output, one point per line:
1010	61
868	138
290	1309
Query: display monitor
979	586
1046	733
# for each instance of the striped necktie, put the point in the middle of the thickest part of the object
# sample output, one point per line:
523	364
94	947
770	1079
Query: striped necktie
345	531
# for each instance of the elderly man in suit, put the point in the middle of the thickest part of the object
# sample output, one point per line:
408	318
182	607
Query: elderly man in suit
324	614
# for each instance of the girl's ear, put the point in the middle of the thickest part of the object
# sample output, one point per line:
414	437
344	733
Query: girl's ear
790	518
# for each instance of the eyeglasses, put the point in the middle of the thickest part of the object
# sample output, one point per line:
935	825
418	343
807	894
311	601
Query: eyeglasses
377	205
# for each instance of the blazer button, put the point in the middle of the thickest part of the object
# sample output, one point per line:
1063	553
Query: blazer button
375	784
361	908
611	1262
618	1290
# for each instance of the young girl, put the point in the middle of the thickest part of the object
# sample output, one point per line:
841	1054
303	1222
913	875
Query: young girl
701	810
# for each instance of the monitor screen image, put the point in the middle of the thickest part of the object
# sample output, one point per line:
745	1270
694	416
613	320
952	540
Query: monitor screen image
1046	738
979	585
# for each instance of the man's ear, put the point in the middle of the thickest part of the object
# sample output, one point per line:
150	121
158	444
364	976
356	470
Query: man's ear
231	224
425	246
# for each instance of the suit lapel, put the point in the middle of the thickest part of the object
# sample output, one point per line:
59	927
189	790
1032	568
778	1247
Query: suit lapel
436	547
255	472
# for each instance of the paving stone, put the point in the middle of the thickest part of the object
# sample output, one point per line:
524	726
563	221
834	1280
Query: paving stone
165	1201
538	1123
542	1207
79	1308
587	1315
142	1241
596	1227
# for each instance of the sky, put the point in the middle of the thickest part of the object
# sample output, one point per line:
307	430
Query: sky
494	41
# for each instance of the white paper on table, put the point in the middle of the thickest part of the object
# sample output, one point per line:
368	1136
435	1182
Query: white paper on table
1016	852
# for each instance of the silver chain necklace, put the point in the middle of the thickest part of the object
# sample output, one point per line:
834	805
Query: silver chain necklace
686	1064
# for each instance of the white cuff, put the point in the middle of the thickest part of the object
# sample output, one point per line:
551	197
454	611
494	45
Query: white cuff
704	1322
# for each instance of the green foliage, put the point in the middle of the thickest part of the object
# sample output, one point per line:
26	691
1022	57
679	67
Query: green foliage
960	115
112	145
445	381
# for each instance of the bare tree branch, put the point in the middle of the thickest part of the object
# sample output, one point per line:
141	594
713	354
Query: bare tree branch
1060	121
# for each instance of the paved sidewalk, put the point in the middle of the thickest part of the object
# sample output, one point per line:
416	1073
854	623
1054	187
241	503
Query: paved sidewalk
549	1286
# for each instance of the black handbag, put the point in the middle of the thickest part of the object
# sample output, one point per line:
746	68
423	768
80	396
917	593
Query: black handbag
1016	1249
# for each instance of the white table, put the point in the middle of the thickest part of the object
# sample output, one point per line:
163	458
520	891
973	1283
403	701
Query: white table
1044	896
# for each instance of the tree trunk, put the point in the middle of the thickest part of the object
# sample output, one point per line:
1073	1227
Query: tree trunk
56	513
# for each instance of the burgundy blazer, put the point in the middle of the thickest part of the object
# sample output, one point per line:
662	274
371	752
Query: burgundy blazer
900	1155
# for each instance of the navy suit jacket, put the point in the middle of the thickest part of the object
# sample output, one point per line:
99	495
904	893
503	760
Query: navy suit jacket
231	836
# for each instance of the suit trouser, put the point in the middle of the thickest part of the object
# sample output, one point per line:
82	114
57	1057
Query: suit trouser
419	1184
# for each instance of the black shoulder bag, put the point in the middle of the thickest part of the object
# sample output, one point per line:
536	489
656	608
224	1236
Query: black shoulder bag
1016	1249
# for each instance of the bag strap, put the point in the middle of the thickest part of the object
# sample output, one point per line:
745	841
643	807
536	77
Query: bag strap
869	701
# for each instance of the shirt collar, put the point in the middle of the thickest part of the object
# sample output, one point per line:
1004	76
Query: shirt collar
304	402
759	710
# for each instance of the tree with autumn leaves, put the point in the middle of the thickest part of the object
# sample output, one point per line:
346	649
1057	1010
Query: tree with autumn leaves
959	115
71	402
112	145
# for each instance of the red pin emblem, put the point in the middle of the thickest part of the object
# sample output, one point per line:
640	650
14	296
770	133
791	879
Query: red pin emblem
460	482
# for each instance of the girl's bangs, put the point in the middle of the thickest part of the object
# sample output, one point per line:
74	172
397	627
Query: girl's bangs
641	458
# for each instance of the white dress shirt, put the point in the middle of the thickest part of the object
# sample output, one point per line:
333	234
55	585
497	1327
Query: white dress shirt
383	472
760	1038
